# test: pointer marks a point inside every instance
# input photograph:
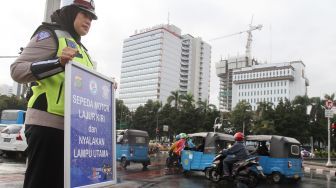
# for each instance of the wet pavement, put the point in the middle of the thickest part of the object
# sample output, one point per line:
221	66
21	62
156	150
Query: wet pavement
12	174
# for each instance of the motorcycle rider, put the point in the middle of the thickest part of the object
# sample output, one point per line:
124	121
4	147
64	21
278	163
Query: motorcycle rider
235	153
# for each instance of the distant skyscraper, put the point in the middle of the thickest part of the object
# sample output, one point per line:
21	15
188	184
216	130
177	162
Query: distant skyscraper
18	89
195	67
150	65
6	90
159	60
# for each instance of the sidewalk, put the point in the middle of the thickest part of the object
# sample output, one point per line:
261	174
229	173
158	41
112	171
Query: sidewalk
319	168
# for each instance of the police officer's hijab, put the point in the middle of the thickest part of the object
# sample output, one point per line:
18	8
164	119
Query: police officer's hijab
65	17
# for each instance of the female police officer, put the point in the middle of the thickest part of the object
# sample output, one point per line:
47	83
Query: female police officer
42	61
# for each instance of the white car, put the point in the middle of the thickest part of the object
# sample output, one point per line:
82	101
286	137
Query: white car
12	139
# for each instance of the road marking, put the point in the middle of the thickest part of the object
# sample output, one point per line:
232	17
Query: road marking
319	171
307	169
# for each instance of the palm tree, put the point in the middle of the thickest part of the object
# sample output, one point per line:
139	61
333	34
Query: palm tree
329	97
187	100
176	97
204	106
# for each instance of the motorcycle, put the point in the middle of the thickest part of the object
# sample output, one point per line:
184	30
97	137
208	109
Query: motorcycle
246	172
173	164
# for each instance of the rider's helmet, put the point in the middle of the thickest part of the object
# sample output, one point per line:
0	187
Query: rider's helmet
239	136
177	137
183	135
87	6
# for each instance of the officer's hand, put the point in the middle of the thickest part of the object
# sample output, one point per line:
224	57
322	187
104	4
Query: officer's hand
67	55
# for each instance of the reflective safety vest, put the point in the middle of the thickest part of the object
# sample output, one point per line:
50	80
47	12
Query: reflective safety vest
50	90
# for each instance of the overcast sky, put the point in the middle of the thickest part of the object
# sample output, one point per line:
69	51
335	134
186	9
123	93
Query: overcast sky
292	30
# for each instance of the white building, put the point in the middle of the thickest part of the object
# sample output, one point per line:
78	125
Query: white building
224	70
195	67
269	83
6	90
158	60
150	65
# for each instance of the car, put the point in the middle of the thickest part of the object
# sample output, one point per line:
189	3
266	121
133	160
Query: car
13	140
306	154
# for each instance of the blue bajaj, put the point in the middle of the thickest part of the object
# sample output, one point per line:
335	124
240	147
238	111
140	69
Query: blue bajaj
208	144
278	155
132	146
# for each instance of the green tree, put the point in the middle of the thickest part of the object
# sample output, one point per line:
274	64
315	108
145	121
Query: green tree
123	115
12	102
264	119
205	107
187	101
242	115
176	98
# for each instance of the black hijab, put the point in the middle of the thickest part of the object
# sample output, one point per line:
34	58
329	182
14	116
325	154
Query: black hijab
65	17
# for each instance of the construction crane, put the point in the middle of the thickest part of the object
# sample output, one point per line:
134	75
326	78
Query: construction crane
249	39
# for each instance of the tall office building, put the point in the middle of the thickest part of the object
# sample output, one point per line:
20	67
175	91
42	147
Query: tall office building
159	60
150	65
6	90
195	67
269	83
224	70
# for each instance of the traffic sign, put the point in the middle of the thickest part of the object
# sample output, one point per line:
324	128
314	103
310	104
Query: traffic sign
329	104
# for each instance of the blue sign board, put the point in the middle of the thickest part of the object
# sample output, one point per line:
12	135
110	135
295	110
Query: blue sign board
89	129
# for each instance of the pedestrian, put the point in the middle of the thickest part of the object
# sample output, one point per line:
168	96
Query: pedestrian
42	61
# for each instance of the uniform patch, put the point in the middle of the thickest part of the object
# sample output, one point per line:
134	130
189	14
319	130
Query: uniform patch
71	44
42	35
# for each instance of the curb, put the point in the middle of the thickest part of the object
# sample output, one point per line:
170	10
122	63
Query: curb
320	171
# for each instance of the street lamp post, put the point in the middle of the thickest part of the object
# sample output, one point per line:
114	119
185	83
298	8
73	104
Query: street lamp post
329	161
328	114
157	124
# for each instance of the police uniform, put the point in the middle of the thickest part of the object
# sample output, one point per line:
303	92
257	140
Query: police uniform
45	113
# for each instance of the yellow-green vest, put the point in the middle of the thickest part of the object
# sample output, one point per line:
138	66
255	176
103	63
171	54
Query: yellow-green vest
53	86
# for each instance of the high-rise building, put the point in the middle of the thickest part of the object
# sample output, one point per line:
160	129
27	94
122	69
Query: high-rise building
269	83
6	90
224	69
158	60
150	65
195	67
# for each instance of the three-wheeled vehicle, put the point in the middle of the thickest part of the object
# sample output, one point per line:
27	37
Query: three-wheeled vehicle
132	146
208	144
278	155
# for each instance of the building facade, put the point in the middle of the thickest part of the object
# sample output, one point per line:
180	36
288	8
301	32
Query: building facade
195	67
6	90
224	70
269	83
150	65
159	60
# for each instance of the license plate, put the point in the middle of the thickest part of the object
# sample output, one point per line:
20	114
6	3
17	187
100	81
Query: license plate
259	168
7	139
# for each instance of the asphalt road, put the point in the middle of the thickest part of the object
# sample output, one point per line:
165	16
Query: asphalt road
12	173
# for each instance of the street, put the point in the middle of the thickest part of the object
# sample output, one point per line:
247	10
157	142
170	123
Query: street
12	174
